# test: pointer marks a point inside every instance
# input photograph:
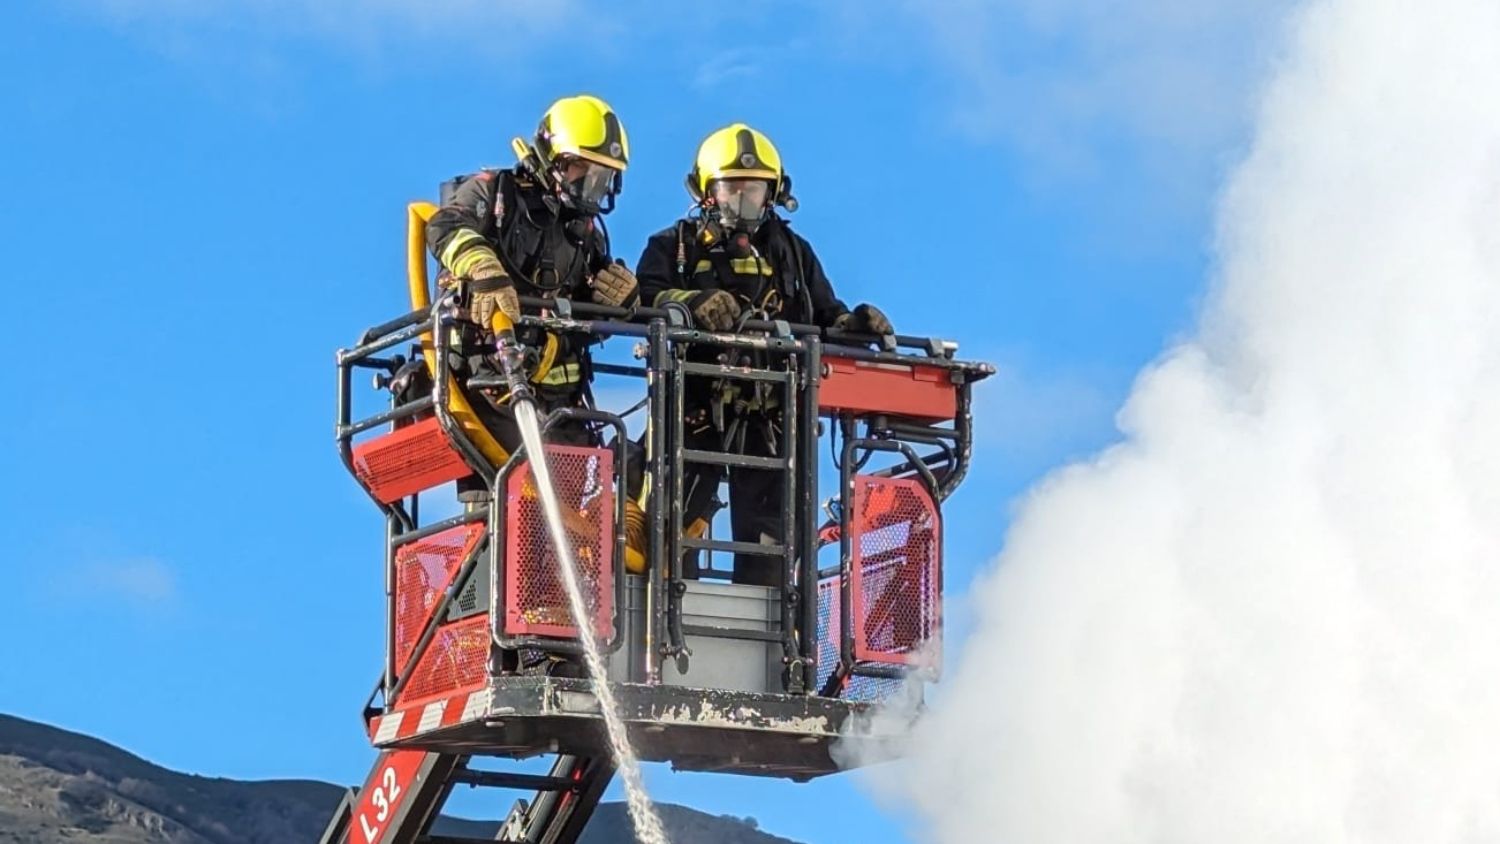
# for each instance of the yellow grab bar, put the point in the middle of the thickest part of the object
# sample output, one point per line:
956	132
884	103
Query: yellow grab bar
421	293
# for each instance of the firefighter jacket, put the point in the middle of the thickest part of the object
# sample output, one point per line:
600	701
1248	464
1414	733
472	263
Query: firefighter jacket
781	278
545	252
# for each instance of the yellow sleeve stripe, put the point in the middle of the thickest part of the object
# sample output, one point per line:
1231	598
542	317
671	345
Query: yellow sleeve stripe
462	239
674	296
740	266
475	258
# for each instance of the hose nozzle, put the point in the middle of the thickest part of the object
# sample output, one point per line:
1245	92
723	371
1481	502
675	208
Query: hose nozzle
513	366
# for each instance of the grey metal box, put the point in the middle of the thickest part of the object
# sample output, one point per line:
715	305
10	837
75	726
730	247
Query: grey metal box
716	663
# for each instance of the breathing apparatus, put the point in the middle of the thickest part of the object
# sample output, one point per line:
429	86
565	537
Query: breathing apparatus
733	213
579	155
735	182
591	192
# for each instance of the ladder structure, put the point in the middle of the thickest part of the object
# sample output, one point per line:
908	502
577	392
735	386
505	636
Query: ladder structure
480	648
401	800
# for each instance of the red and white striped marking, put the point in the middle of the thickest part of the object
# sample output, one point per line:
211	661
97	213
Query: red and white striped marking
433	715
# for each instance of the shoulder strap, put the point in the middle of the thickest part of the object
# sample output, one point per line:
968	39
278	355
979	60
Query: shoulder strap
505	198
682	251
506	212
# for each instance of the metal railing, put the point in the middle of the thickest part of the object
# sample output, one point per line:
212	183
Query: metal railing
789	352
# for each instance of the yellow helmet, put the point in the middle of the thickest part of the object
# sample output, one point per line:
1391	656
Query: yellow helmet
737	152
581	148
585	127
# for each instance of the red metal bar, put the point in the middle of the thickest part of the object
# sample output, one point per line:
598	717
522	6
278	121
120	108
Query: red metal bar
918	391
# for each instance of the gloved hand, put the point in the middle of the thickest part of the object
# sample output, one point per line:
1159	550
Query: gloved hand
615	286
490	295
864	319
712	310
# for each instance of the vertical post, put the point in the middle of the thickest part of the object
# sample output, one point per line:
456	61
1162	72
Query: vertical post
790	530
675	442
497	549
656	439
343	410
963	428
617	557
807	537
846	547
393	529
391	532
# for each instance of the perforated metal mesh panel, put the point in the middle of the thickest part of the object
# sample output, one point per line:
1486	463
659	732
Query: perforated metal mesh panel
873	688
408	460
536	603
854	687
828	628
455	660
897	573
423	571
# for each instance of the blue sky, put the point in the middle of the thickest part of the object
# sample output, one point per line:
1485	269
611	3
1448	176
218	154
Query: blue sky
206	199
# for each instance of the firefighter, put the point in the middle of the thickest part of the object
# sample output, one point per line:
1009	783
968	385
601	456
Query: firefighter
732	259
535	230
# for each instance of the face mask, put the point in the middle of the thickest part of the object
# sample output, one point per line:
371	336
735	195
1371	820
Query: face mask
742	203
585	184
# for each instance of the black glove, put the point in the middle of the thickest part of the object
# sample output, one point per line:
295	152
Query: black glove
864	319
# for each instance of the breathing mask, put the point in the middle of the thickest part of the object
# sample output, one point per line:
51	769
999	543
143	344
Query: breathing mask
586	186
741	203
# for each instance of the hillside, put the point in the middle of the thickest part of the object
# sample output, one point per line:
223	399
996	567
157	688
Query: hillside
58	786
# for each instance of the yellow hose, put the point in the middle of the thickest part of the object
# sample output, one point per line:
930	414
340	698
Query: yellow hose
417	215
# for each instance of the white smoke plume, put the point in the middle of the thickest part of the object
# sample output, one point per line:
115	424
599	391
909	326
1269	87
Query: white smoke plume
1272	612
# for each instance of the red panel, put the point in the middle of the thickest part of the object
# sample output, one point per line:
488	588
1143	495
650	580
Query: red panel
423	571
535	601
896	574
392	782
408	460
456	660
862	387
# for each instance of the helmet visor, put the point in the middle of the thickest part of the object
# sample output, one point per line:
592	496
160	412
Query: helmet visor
586	183
741	200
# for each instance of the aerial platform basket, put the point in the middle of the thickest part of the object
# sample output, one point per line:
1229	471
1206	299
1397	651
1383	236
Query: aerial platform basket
473	595
481	651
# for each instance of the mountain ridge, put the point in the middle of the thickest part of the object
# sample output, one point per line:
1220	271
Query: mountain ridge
61	786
